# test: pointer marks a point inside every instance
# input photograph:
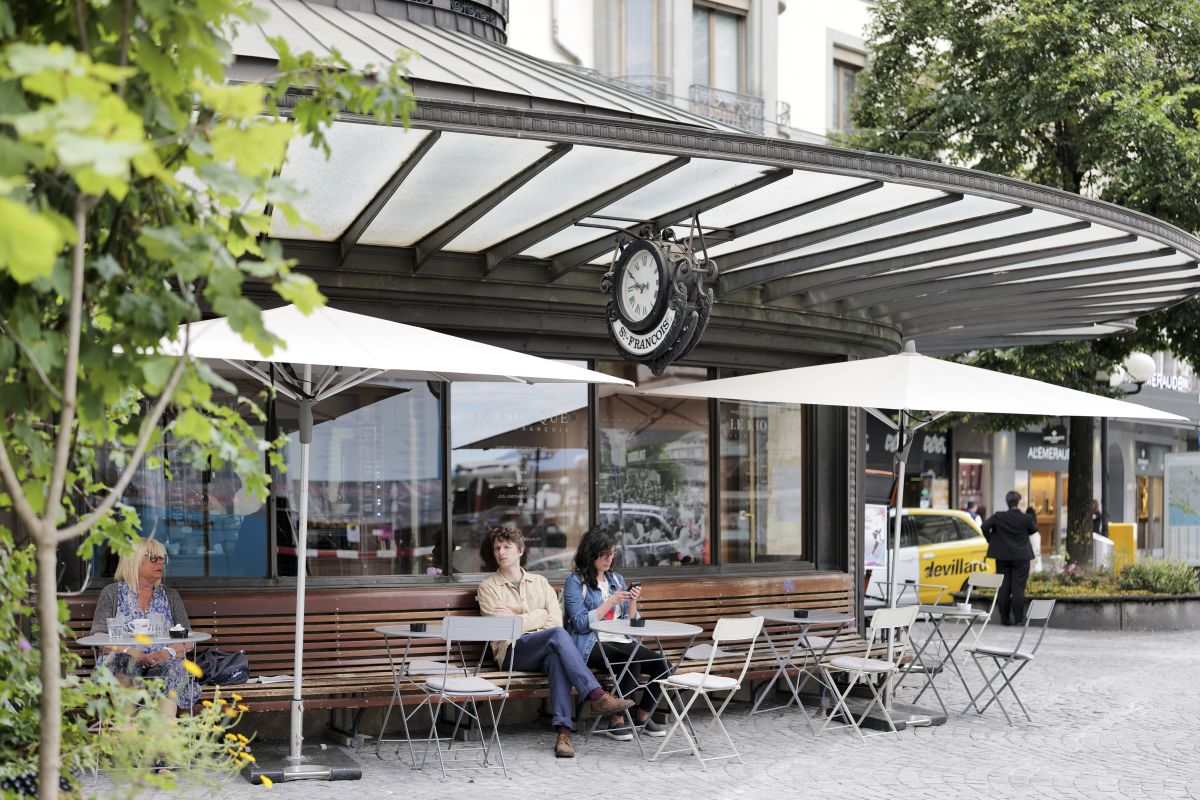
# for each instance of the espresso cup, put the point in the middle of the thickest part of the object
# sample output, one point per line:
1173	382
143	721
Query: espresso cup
417	627
640	622
800	613
141	626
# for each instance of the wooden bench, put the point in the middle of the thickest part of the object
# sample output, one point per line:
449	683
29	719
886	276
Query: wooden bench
346	661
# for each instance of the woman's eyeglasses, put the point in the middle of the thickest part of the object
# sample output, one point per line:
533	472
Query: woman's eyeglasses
156	559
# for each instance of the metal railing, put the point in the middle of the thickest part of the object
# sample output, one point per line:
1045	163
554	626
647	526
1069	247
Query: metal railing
742	110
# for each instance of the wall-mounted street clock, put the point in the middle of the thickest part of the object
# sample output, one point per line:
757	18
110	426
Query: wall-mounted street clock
659	306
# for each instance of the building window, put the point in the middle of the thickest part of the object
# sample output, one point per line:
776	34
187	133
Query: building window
718	47
975	483
637	41
846	66
375	483
654	469
519	454
761	483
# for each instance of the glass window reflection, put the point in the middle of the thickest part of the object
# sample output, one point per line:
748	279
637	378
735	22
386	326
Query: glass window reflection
654	469
375	484
519	454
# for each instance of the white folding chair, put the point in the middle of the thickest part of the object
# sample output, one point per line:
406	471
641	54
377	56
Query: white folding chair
983	580
409	674
701	684
1006	658
887	624
462	690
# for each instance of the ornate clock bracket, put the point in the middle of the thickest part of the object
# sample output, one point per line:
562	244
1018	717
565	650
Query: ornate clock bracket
673	330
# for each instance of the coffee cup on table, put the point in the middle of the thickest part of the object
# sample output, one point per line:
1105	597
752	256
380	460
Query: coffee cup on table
141	625
800	613
639	622
417	627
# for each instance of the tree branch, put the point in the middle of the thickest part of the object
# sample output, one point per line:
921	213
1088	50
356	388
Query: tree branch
37	367
124	44
147	429
16	492
80	21
66	421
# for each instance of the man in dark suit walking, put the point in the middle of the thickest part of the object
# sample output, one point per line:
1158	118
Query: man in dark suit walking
1008	535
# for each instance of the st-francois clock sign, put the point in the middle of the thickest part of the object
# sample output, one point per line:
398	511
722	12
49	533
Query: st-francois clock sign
659	306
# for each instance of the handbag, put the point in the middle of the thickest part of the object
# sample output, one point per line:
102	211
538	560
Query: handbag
223	668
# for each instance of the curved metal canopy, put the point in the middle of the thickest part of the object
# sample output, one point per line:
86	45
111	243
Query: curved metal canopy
517	173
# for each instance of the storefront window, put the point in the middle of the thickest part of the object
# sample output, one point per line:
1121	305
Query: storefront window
519	454
654	469
208	523
761	470
974	482
374	498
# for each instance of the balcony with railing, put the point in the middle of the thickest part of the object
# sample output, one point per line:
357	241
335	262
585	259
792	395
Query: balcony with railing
733	108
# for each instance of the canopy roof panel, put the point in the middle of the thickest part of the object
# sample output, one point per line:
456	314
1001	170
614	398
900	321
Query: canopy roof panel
530	174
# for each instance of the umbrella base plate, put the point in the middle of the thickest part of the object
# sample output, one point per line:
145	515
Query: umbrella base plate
316	762
903	715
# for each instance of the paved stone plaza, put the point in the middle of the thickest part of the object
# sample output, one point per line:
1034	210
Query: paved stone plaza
1114	717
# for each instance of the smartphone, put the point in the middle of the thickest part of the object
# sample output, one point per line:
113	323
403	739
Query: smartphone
633	586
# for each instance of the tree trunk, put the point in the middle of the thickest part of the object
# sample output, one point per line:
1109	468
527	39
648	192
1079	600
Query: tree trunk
1079	493
50	745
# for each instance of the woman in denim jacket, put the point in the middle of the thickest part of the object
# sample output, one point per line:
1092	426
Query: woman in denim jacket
594	592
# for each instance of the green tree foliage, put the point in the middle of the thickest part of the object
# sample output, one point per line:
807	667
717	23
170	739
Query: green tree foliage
134	188
1095	97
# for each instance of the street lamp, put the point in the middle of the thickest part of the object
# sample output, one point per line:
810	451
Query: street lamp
1138	368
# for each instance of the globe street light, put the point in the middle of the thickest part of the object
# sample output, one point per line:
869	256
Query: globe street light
1137	368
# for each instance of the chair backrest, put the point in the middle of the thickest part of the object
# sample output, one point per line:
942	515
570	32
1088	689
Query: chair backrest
1039	611
735	629
894	622
478	629
984	580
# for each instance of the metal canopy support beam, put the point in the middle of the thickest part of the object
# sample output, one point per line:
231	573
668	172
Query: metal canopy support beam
1004	335
1064	287
967	274
778	247
1022	292
846	278
499	253
371	210
435	240
746	227
568	260
941	319
779	269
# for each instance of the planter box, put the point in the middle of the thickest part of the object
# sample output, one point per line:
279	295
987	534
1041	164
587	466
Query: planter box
1165	613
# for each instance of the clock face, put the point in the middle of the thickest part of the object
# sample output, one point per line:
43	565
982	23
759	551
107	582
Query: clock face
640	287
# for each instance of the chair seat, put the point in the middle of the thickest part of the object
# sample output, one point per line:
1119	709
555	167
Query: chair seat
817	642
702	652
698	680
859	664
463	686
1002	652
421	666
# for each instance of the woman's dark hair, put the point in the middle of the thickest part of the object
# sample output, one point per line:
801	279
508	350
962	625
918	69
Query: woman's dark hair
594	543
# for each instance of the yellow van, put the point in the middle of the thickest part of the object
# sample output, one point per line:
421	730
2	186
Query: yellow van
939	547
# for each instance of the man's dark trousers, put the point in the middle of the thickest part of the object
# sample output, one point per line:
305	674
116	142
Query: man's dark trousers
1012	591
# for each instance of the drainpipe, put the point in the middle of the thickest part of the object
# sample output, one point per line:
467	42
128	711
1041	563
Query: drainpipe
558	43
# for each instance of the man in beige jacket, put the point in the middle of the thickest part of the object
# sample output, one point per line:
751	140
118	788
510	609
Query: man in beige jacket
545	646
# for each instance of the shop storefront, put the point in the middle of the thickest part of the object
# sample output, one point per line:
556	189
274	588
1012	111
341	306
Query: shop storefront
495	215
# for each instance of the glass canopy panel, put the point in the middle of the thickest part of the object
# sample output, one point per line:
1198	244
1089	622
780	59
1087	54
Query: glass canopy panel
693	182
575	178
339	187
1030	248
962	210
1167	264
888	198
456	172
800	187
330	34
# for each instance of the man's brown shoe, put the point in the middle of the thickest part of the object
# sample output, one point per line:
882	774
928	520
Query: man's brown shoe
563	747
608	705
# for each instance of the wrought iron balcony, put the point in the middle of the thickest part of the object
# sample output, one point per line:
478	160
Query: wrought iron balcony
743	110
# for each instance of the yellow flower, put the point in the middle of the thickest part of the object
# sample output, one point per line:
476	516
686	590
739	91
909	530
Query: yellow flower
229	712
193	668
218	729
243	707
171	694
231	736
206	703
142	639
249	757
236	697
242	738
267	782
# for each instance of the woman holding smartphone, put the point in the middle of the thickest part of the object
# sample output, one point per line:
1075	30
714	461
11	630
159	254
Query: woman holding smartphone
594	592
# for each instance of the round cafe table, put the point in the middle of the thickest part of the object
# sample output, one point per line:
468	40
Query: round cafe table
804	654
654	629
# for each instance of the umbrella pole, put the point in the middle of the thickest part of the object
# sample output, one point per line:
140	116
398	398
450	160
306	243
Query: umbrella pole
901	462
296	740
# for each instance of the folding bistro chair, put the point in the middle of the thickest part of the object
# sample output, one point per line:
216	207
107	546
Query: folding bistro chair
409	674
886	624
983	580
1008	662
701	684
464	691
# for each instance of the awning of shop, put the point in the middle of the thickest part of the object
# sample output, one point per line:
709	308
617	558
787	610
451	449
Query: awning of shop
511	163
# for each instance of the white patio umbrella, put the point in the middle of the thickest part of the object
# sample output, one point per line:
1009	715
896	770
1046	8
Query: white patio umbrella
345	350
912	383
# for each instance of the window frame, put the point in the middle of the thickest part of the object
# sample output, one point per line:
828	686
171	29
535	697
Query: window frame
712	11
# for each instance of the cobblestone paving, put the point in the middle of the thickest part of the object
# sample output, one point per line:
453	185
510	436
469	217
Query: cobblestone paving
1114	716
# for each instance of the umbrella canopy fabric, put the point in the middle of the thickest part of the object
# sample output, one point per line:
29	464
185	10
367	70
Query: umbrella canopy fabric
911	381
329	337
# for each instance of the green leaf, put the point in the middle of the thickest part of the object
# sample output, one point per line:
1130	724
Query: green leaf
301	290
191	424
238	102
29	242
257	151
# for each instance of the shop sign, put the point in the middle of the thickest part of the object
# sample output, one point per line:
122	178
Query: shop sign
928	450
1033	453
1172	383
1148	458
